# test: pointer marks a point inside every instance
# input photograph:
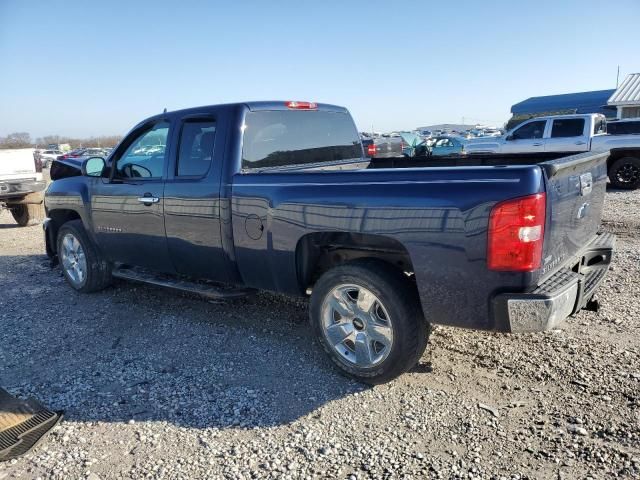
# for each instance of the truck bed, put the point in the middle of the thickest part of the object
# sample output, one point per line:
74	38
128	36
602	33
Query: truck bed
475	160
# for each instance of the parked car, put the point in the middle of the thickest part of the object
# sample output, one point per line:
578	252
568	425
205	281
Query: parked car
286	203
21	185
563	134
385	146
445	145
93	152
47	156
75	153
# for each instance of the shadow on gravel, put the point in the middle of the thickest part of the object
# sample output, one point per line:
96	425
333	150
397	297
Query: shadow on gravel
616	191
9	225
148	354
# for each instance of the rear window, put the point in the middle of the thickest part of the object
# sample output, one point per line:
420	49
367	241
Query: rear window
287	138
568	127
624	128
196	147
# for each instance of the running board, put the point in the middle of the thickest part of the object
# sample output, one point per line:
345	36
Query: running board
214	291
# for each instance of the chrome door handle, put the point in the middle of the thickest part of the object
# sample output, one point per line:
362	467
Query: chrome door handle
148	199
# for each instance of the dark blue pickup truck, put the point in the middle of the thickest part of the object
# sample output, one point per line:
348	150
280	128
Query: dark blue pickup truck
279	196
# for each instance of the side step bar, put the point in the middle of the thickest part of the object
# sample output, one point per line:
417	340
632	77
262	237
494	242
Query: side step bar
206	289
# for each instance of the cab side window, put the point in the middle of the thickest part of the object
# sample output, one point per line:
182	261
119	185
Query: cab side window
196	147
145	156
568	127
530	131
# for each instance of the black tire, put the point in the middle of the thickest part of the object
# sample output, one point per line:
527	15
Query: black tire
399	297
625	173
27	213
98	270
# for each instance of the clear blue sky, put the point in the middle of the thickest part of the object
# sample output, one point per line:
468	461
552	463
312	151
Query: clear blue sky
91	68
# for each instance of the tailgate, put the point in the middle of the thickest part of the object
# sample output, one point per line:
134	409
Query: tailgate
17	163
576	187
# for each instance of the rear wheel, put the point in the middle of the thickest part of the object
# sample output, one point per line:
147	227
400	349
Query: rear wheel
82	264
26	213
367	317
625	173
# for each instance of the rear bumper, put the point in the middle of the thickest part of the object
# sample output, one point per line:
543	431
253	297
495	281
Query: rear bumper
10	189
565	293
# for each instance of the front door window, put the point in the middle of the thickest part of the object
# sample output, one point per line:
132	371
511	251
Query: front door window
145	157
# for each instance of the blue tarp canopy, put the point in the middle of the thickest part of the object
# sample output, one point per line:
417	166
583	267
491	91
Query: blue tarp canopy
581	102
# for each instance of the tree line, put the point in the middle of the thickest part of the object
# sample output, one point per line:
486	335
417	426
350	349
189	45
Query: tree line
24	140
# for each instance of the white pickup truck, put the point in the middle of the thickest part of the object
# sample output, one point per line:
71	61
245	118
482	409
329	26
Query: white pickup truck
563	134
21	185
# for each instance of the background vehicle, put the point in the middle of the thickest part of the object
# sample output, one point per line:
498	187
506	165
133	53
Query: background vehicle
83	152
385	146
94	152
563	134
288	203
47	156
442	146
21	185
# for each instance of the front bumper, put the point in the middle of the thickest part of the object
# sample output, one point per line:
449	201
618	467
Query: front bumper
563	294
10	189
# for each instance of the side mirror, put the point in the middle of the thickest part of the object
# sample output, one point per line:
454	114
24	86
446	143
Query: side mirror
508	138
93	167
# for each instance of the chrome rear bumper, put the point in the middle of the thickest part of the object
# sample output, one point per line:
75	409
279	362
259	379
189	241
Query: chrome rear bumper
562	295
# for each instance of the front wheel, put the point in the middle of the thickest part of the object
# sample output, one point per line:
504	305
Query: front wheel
82	264
367	317
625	173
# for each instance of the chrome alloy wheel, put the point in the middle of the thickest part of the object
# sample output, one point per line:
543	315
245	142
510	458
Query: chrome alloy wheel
357	326
73	259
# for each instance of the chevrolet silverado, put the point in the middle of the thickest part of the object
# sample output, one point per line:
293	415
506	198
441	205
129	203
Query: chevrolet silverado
228	199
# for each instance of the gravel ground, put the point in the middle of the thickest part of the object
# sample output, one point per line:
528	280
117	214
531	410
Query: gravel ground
161	385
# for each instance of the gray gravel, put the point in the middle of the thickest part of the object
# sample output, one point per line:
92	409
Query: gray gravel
162	385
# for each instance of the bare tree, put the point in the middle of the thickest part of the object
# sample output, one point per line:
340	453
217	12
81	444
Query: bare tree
23	139
16	140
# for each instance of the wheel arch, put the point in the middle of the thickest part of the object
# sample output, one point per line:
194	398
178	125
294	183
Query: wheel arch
617	153
55	219
319	251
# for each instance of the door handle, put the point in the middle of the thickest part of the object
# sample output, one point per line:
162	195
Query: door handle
148	199
580	143
536	144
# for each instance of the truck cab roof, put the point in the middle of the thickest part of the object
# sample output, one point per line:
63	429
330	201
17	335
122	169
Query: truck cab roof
252	106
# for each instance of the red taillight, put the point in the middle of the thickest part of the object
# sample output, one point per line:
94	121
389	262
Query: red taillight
516	233
301	105
371	150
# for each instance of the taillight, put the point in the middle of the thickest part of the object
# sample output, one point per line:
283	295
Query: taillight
301	105
371	150
516	233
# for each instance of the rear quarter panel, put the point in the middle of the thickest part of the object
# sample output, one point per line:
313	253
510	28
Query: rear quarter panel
440	216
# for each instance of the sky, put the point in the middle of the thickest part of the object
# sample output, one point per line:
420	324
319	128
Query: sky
82	69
